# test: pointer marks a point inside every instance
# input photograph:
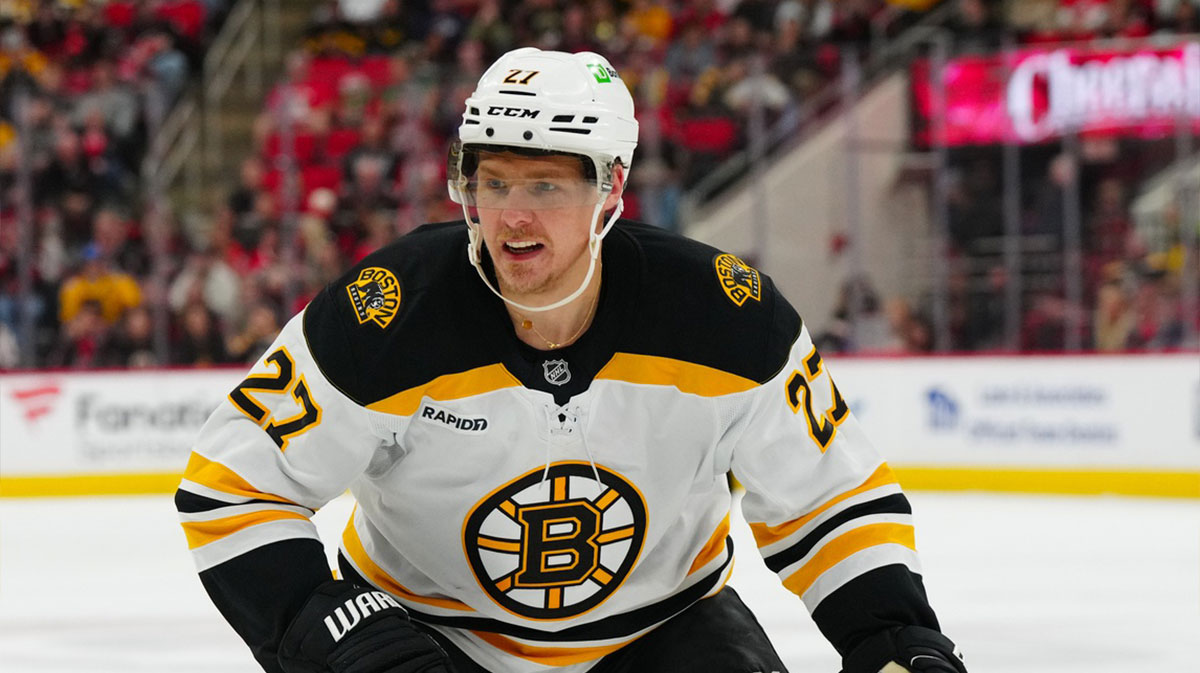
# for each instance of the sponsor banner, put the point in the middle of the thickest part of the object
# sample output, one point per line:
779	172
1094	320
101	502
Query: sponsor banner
1041	94
105	422
1138	411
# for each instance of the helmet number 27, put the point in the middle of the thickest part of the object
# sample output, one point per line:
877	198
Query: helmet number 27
520	76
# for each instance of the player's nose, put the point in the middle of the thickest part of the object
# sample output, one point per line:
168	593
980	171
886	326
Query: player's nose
514	218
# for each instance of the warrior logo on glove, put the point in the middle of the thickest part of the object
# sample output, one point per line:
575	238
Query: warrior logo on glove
558	547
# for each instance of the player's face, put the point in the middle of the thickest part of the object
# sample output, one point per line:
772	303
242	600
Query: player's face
535	214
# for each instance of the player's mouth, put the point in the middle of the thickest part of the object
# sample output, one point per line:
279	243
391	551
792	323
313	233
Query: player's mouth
521	249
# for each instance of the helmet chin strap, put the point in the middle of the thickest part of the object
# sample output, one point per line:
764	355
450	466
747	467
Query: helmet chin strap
475	245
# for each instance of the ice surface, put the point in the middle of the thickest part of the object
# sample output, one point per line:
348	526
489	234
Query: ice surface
1024	584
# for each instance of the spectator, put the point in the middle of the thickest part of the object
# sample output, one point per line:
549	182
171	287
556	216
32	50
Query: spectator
113	233
113	292
975	27
1113	321
10	350
132	343
200	342
261	328
208	280
250	183
83	338
117	104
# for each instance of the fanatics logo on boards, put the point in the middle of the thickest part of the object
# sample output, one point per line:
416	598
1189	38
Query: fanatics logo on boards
556	372
37	401
375	296
739	280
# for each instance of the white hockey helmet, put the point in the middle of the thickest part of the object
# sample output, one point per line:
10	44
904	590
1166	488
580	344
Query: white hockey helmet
534	101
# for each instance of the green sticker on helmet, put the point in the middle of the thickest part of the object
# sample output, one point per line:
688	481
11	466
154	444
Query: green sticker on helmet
600	73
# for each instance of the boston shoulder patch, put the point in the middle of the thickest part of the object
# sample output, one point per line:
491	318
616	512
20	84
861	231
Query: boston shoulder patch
375	296
739	280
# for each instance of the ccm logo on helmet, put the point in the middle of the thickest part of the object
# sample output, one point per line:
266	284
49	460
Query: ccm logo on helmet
518	112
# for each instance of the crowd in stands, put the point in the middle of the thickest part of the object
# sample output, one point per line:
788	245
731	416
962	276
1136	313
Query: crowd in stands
78	80
349	148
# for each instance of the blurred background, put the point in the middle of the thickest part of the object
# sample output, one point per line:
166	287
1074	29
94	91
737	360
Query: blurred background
987	212
178	177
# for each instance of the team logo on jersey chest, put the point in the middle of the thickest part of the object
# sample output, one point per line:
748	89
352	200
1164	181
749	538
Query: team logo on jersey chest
375	296
739	280
556	548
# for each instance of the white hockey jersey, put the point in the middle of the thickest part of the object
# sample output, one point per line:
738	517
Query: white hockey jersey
542	509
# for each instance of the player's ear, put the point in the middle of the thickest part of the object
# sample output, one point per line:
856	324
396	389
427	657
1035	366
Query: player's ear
618	188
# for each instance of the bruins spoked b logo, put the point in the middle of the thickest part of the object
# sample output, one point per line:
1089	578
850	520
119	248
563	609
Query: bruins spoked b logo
557	548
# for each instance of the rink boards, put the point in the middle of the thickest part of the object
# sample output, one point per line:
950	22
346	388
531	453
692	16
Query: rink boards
1125	424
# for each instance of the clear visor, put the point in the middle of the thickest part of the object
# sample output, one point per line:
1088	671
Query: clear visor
487	192
502	180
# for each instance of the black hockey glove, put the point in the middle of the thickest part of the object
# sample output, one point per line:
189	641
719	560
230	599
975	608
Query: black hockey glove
914	648
344	628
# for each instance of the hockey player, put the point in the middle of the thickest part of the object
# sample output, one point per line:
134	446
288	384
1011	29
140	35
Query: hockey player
536	411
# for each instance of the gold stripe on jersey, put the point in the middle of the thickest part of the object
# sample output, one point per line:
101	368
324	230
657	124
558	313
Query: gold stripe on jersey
687	377
767	535
842	547
218	477
713	548
448	387
200	533
380	578
548	656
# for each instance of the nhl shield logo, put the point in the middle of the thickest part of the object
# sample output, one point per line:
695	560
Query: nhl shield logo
556	371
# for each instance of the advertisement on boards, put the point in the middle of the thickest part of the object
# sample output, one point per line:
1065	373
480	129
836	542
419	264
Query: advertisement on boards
1038	94
1030	411
105	422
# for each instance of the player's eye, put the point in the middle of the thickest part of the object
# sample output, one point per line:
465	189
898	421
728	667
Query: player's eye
494	185
544	187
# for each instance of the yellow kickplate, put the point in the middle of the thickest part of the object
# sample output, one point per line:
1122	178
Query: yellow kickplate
28	486
1162	484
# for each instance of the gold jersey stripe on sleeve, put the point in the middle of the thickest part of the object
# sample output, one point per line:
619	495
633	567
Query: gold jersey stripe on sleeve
380	578
548	656
767	535
687	377
448	387
218	477
713	548
842	547
200	533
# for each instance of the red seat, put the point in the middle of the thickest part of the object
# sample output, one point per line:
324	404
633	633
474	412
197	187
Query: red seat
320	176
340	142
377	69
715	135
328	69
304	147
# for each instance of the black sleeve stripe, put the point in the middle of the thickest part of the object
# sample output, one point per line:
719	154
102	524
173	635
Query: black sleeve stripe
892	504
875	600
187	502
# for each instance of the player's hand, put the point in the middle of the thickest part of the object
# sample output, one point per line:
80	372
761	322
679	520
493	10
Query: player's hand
909	648
344	628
